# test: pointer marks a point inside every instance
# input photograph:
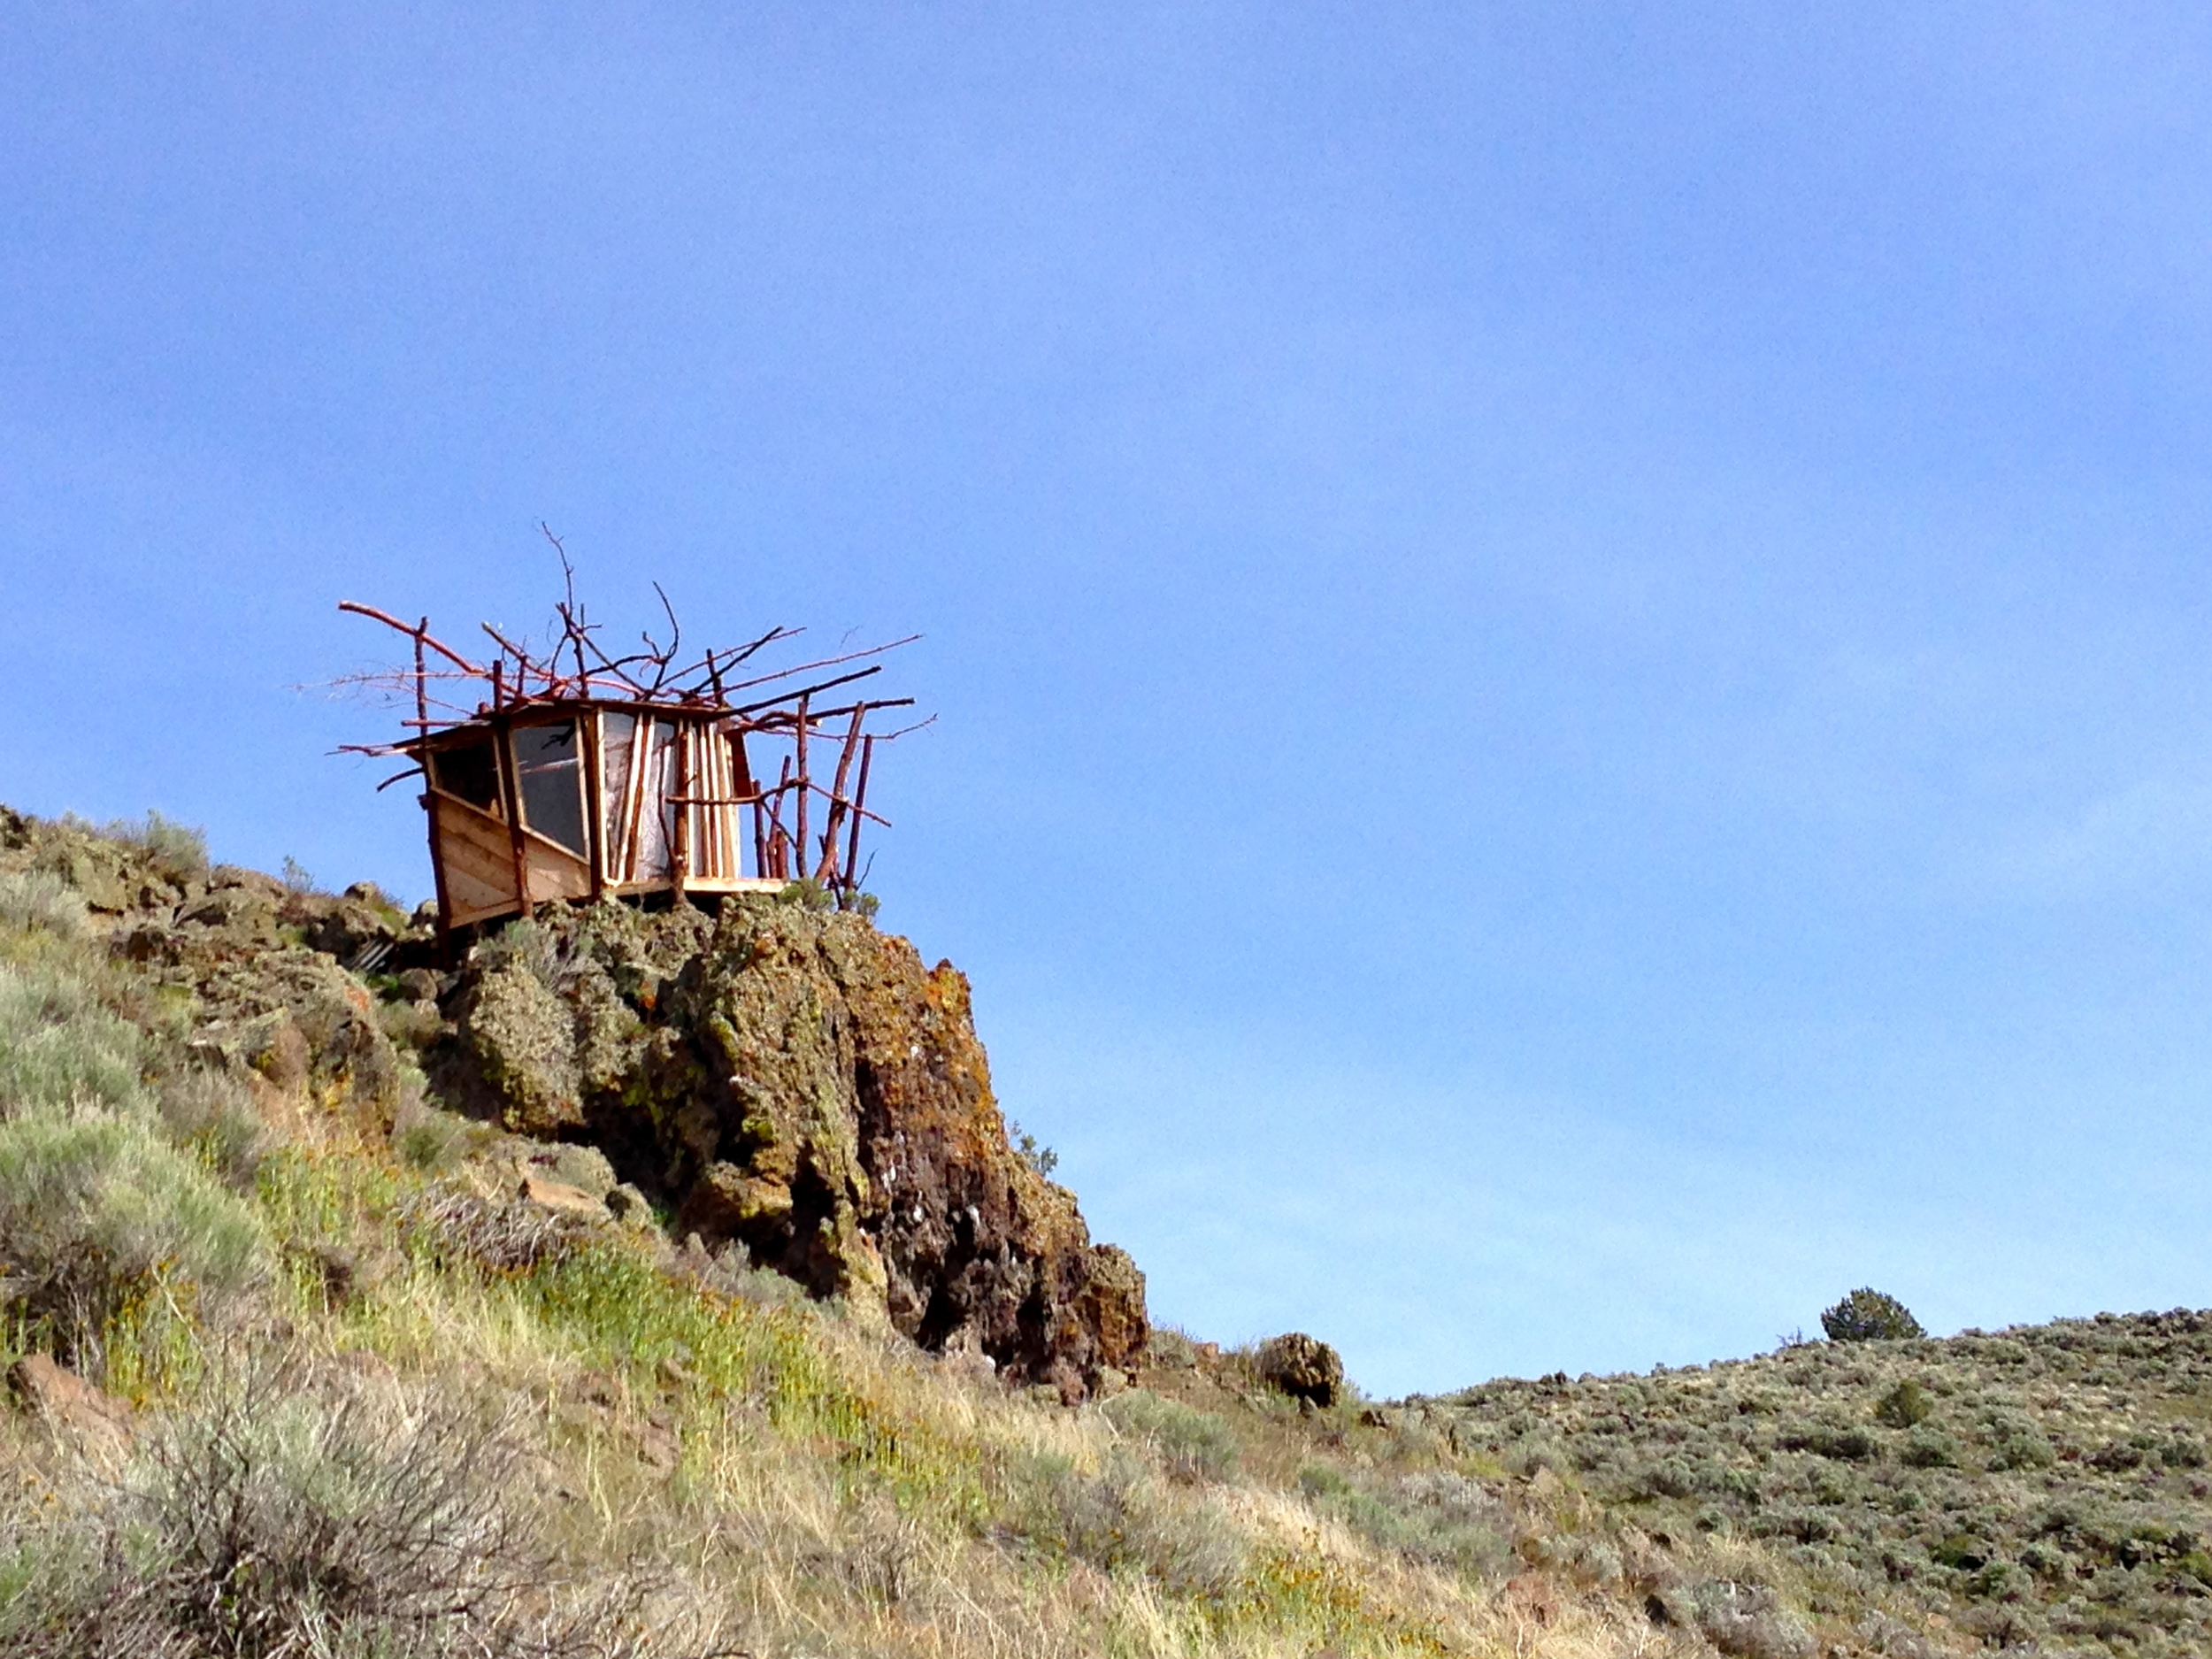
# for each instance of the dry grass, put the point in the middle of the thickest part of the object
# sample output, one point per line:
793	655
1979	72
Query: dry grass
435	1421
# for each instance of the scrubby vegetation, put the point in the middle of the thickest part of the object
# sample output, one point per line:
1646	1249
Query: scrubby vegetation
2045	1486
367	1377
1867	1315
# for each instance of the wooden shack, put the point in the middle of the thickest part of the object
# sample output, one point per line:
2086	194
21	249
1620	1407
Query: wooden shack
581	776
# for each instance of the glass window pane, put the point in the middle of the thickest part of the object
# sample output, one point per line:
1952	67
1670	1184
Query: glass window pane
660	783
615	732
552	783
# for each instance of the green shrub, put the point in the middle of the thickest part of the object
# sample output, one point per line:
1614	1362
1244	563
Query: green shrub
1930	1448
282	1520
177	851
2016	1443
1170	1347
36	900
1439	1518
807	893
433	1141
212	1114
94	1211
1035	1153
59	1049
1195	1445
1868	1316
1118	1520
1747	1621
1903	1406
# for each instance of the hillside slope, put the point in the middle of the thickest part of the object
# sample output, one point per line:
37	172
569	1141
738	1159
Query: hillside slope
2043	1486
359	1307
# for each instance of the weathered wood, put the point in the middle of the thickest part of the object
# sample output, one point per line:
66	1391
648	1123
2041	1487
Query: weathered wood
679	850
798	836
642	765
842	680
510	796
748	793
422	634
474	826
474	860
595	802
825	868
437	865
487	861
860	811
554	872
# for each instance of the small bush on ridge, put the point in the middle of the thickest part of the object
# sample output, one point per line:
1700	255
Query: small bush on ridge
1868	1316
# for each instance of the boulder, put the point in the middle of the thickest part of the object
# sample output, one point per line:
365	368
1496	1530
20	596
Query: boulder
1301	1367
562	1199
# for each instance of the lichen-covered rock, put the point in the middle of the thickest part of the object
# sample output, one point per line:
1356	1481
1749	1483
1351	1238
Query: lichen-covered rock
792	1080
258	996
802	1084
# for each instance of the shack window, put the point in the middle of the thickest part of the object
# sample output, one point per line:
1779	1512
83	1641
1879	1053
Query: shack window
552	782
468	770
653	853
615	734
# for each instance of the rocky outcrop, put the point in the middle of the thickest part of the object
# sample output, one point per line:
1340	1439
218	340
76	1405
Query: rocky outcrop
784	1078
267	976
799	1083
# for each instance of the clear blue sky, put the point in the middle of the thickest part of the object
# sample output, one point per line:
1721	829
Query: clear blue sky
1570	640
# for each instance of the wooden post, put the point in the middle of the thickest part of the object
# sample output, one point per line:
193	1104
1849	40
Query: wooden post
429	804
799	846
680	841
825	867
437	867
593	759
860	800
511	792
779	842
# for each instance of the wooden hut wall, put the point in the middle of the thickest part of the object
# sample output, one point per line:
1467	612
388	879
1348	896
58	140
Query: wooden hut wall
710	826
475	857
635	764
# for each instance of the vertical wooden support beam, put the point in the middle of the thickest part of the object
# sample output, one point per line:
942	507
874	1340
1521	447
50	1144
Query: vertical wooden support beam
511	792
633	819
437	865
799	849
825	866
860	800
679	850
593	761
779	840
429	804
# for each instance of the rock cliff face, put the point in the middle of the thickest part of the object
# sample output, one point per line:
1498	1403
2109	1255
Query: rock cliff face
794	1081
799	1083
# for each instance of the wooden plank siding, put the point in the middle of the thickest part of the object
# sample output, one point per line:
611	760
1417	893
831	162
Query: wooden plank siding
634	835
478	859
